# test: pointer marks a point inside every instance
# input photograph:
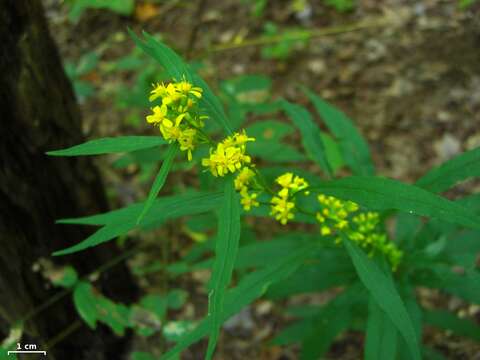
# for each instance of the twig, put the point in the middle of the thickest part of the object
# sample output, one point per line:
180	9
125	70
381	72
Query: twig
60	295
63	334
301	35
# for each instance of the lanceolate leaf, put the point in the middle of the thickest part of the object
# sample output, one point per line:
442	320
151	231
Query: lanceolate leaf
381	340
84	301
383	194
176	68
354	148
159	180
122	221
250	288
311	136
441	276
459	168
319	326
177	205
110	145
226	248
448	321
383	291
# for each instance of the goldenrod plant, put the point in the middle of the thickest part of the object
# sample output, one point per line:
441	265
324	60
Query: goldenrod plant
375	268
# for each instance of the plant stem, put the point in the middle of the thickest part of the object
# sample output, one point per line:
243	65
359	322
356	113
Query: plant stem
303	35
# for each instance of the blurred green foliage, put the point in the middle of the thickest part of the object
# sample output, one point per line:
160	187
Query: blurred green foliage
77	7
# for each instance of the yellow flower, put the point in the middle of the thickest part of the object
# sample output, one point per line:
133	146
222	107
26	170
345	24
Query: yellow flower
243	178
171	131
325	230
178	116
248	200
171	96
229	156
299	184
184	87
334	212
159	90
282	209
285	180
187	141
159	114
365	232
289	181
242	138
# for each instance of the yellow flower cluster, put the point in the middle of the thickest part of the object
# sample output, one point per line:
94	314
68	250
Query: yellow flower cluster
367	235
283	205
229	155
361	228
334	213
242	182
178	115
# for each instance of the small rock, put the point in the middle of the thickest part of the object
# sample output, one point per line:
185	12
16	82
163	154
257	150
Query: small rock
317	66
243	320
264	308
447	147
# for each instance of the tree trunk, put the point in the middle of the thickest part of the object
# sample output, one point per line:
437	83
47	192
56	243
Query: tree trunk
39	113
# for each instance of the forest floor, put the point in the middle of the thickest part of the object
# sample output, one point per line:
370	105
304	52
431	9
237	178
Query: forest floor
410	80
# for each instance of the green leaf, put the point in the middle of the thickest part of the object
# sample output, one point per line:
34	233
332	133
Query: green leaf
110	145
381	340
294	333
226	248
354	148
121	221
102	235
341	5
440	276
448	321
332	152
330	321
336	270
328	325
464	4
311	136
116	316
66	277
408	293
268	130
406	227
159	180
139	355
432	354
85	303
123	7
272	151
462	248
249	289
176	298
259	253
176	68
155	303
459	168
167	207
384	194
383	291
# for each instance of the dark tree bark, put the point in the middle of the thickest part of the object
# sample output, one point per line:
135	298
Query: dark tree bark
39	113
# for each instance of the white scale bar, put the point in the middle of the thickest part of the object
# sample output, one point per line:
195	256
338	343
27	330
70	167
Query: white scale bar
27	352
